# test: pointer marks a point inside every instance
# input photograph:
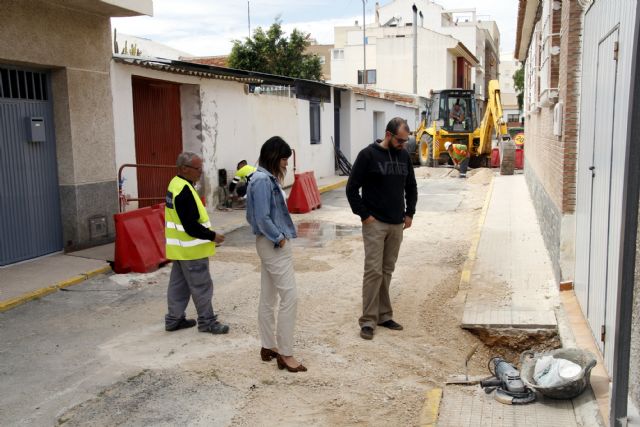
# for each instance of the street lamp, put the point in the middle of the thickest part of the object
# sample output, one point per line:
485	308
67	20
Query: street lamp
364	52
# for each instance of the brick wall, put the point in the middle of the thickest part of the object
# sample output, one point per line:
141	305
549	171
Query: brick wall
570	71
551	160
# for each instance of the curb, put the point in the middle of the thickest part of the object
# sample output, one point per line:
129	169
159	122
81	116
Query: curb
429	414
433	398
39	293
333	186
465	276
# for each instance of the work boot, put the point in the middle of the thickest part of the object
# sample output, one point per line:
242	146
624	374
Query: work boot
366	332
216	328
391	324
182	324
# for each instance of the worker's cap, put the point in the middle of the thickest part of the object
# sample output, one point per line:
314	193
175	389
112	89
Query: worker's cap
447	145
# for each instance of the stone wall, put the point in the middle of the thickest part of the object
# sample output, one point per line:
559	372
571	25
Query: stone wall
549	218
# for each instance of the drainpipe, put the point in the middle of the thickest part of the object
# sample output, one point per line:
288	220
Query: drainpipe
415	49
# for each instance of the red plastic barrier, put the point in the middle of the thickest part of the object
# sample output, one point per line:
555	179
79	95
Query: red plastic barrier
519	158
140	242
495	158
304	195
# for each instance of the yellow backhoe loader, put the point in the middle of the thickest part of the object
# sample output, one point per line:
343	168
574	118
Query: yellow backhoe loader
452	117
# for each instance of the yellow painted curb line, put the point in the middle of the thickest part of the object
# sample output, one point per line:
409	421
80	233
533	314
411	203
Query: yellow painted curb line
330	187
465	277
429	414
39	293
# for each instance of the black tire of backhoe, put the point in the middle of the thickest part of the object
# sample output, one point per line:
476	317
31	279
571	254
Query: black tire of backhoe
426	139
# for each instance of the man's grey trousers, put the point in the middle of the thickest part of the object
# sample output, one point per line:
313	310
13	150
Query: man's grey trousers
190	279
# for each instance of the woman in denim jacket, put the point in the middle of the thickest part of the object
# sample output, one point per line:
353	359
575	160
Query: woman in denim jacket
271	223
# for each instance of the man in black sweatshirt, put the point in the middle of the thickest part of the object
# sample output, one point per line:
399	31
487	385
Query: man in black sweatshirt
384	172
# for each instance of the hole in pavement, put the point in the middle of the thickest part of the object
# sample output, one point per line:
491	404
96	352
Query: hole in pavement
509	343
313	234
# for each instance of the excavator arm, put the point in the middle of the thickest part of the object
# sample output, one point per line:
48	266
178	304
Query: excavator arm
492	122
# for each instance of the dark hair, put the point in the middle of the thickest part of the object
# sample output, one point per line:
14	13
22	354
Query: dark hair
241	163
395	124
272	151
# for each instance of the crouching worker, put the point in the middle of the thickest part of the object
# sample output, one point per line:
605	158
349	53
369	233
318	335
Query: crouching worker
460	156
241	179
190	242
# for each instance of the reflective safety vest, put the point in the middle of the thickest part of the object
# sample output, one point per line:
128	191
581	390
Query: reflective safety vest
181	246
459	152
244	173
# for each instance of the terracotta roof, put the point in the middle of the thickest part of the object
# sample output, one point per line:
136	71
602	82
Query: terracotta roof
396	97
172	67
522	7
529	12
218	61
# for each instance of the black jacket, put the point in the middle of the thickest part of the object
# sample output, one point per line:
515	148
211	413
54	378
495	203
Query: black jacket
387	179
187	211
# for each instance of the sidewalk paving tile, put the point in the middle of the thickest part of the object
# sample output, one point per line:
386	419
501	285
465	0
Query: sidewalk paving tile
464	406
512	281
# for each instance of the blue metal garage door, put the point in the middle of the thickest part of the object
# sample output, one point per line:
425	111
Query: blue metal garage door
30	224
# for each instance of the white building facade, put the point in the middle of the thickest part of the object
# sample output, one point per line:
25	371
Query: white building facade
464	48
510	108
219	116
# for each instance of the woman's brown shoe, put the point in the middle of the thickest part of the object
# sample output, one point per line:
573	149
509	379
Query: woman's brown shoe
282	365
267	354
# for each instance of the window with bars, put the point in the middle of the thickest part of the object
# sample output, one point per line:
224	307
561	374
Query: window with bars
549	49
532	79
20	84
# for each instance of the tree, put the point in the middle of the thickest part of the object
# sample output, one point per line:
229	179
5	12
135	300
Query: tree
518	85
271	52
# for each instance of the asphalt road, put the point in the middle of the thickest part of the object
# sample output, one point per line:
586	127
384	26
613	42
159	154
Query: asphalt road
98	354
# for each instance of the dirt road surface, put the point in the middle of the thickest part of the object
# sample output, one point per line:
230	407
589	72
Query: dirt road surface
98	353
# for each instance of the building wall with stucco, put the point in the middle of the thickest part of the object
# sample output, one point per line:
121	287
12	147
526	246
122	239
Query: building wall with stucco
71	41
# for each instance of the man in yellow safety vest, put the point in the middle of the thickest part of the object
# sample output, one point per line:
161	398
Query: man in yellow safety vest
460	156
190	242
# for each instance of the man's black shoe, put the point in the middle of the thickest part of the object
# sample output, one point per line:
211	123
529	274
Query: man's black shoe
216	328
366	332
182	324
391	325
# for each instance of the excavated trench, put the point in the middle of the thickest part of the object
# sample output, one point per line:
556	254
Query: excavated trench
509	343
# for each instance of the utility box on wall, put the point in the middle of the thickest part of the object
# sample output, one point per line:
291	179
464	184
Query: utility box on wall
36	129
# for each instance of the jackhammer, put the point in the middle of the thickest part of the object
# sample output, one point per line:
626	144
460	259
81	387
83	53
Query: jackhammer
507	384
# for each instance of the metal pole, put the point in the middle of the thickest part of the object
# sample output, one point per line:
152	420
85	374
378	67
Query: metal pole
624	303
364	51
415	49
249	17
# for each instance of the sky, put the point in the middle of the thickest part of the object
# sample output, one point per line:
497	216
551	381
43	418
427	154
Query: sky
207	27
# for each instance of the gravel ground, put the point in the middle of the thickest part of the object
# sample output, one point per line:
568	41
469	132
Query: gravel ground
98	354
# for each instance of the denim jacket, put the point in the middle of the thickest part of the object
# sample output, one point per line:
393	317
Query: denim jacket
266	208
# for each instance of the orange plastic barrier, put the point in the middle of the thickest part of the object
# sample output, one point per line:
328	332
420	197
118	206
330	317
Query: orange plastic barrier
140	242
304	195
519	157
495	158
